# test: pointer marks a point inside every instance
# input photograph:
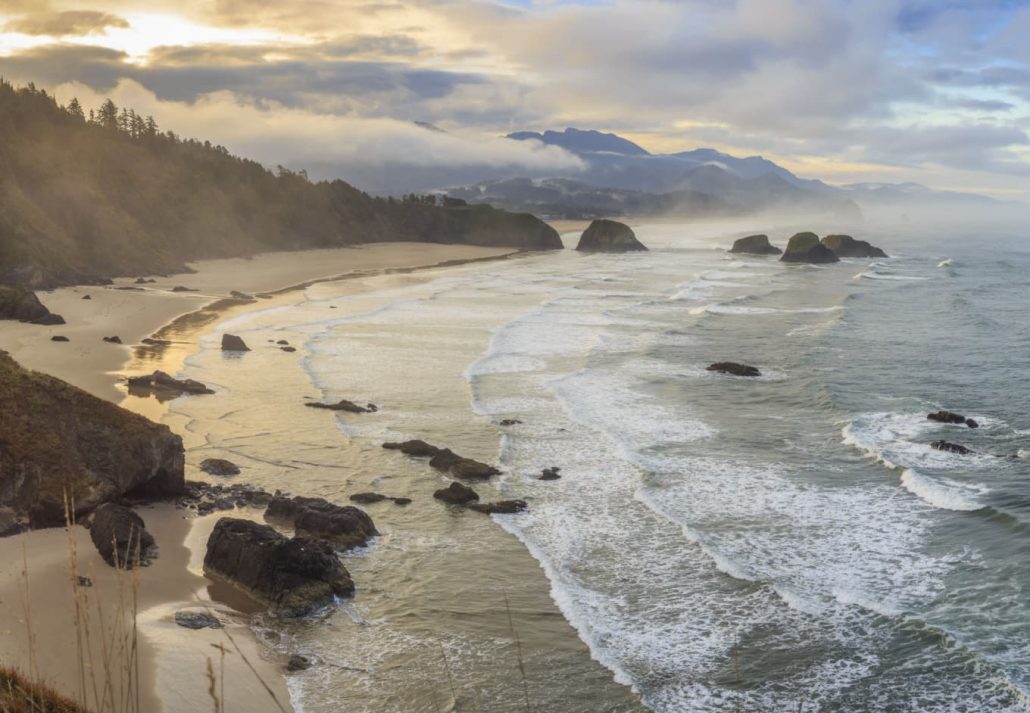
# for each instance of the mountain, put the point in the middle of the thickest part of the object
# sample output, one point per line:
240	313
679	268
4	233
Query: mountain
87	199
912	193
580	141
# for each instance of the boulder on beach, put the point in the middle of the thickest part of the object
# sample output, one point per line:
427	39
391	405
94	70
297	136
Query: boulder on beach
951	417
609	236
121	537
456	494
343	405
23	305
950	448
180	288
196	620
56	439
232	343
59	338
734	369
448	461
806	248
372	498
293	576
288	349
161	381
342	525
113	340
847	246
755	245
415	448
219	466
501	507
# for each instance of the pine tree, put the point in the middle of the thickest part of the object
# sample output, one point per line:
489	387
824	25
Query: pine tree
108	116
75	109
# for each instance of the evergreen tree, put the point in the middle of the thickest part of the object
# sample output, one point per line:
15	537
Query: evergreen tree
75	109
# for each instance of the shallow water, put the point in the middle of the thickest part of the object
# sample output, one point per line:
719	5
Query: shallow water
716	543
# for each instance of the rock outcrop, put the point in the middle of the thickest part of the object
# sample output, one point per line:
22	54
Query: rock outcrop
806	248
415	448
219	466
343	405
448	461
609	236
755	245
24	306
343	525
232	343
121	536
293	576
951	417
162	383
735	369
950	448
501	507
847	246
456	494
57	439
372	498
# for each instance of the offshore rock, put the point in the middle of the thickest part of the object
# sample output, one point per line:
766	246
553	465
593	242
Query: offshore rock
456	494
735	369
806	248
343	525
755	245
847	246
609	236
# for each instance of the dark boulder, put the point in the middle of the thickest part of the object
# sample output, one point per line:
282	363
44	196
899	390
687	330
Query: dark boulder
755	245
288	349
951	417
806	248
415	449
511	422
296	662
847	246
59	338
24	306
113	340
121	537
57	440
232	343
735	369
283	343
950	448
609	236
219	466
344	405
456	494
501	507
372	498
342	525
448	461
144	281
87	297
196	620
161	382
550	474
180	288
293	576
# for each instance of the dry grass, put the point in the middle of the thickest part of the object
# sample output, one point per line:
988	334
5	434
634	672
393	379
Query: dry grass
19	695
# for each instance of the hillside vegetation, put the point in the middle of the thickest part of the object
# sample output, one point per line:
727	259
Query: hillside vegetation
90	195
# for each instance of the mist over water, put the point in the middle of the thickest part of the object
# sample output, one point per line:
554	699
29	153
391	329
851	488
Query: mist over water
717	543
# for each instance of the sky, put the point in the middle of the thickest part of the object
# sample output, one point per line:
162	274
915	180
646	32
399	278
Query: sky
933	91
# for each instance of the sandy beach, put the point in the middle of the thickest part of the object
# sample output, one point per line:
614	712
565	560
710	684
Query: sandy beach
40	622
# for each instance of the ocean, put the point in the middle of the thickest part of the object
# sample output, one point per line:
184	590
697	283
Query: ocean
715	543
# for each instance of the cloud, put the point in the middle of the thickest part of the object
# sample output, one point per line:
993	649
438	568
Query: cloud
60	24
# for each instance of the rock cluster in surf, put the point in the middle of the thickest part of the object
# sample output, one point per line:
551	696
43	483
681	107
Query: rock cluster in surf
808	248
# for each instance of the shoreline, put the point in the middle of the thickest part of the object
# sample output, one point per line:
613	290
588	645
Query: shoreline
171	659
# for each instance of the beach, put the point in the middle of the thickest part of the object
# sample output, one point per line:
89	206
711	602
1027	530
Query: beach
171	660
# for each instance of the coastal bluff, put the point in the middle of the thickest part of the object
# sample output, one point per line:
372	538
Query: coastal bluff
56	439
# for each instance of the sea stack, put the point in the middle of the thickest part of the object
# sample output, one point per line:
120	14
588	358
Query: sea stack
24	306
609	236
755	245
232	343
806	248
847	246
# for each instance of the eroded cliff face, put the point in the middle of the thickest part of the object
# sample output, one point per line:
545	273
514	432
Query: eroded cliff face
57	439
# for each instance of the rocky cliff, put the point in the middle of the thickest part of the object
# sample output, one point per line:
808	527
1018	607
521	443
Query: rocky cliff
57	439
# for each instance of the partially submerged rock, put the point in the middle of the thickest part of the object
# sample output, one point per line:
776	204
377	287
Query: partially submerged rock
208	497
180	288
501	507
550	474
59	338
161	381
847	246
950	448
293	576
372	498
755	245
609	236
951	417
735	369
237	295
456	494
196	620
113	340
23	305
806	248
343	525
296	662
415	448
121	537
511	422
57	439
232	343
219	466
342	405
448	461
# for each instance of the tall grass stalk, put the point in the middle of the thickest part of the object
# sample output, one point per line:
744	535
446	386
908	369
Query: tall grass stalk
518	653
